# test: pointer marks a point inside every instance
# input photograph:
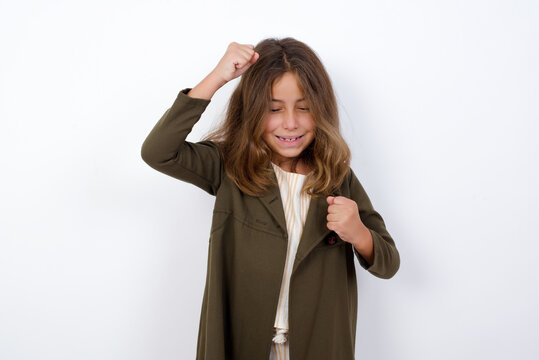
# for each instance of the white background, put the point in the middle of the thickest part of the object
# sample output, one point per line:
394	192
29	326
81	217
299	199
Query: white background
102	257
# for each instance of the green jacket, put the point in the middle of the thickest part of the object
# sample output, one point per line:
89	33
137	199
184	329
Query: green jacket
247	251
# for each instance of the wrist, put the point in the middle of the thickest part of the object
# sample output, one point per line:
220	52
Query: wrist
207	87
216	79
363	239
364	245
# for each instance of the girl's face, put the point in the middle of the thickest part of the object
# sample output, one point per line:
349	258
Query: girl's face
288	126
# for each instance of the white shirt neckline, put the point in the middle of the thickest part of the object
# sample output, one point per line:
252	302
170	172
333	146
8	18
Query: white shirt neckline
288	172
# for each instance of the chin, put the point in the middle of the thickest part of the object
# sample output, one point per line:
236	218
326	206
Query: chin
287	156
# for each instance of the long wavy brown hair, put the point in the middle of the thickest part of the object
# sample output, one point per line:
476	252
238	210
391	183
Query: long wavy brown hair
246	155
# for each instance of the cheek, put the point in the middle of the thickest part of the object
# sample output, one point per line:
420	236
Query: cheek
309	124
268	128
270	125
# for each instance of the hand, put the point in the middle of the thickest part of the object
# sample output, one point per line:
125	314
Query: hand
237	59
343	218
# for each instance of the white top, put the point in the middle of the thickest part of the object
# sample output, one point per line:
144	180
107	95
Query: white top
295	206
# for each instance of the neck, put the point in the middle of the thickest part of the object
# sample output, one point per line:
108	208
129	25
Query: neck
286	165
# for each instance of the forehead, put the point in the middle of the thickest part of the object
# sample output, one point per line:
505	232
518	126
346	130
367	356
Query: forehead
286	88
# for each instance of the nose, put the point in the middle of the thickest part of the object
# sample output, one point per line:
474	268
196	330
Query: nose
290	121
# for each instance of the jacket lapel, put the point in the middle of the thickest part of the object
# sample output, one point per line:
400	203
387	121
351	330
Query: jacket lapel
315	228
274	204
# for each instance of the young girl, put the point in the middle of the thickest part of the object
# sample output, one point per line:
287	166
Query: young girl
289	215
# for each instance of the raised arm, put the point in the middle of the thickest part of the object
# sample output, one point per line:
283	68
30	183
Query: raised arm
235	61
165	148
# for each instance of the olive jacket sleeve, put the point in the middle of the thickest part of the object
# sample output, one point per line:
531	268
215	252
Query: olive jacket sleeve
386	256
166	150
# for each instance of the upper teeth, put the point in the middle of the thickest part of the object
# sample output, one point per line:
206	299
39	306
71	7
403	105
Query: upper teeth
289	139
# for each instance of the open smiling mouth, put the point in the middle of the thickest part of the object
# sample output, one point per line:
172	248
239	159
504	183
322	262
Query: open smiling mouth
289	140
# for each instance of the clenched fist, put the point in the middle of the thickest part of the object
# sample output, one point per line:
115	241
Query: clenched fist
343	218
237	59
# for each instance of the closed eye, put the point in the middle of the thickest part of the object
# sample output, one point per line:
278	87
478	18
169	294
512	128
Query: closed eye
301	108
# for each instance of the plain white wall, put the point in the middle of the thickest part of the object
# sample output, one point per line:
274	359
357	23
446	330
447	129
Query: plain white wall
101	257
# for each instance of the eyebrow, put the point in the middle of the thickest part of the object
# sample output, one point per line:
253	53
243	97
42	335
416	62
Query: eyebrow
279	100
